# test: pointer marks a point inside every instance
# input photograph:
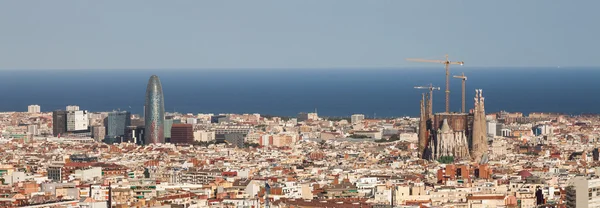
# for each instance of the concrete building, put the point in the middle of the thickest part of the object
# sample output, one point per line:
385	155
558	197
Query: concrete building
72	108
33	129
135	134
219	119
191	121
59	122
55	172
235	139
356	118
98	133
117	122
204	136
370	134
77	120
583	192
154	112
233	130
34	109
88	174
307	116
14	177
182	133
491	128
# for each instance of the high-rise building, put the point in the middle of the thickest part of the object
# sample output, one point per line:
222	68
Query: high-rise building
33	109
135	134
168	125
116	123
98	133
154	112
356	118
59	122
182	133
72	108
77	120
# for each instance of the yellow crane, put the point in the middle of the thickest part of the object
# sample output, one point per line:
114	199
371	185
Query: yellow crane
430	104
447	64
464	78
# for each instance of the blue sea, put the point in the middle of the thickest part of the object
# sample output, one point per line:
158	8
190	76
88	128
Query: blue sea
378	93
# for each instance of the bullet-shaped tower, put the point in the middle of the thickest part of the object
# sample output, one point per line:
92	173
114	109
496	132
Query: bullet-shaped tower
154	112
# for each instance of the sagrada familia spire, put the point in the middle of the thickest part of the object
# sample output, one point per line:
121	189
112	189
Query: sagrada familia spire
423	131
479	138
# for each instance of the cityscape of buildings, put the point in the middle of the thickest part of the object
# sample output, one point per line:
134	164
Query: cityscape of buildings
76	158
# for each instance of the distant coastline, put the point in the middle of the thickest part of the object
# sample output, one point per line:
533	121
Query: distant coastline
337	93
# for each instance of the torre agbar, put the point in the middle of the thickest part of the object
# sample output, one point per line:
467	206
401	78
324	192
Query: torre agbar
154	112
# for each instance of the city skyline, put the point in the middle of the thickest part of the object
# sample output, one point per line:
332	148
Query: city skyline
306	104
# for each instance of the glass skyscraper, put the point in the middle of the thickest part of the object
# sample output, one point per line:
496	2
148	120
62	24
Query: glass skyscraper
154	112
117	122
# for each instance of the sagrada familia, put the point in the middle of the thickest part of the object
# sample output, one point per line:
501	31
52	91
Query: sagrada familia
458	135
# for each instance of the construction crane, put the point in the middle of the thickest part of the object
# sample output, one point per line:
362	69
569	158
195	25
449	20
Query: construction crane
447	64
464	79
430	104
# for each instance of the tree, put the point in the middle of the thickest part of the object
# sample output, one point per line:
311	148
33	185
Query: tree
446	159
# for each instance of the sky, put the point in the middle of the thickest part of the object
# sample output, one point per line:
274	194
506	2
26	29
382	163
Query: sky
152	34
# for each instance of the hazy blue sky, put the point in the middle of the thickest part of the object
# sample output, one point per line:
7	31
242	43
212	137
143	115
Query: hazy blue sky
295	34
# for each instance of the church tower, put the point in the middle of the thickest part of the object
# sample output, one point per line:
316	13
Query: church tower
479	136
423	137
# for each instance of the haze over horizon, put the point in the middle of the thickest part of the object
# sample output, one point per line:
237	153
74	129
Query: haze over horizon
295	34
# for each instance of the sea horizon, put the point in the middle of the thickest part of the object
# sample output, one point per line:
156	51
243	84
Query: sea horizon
374	92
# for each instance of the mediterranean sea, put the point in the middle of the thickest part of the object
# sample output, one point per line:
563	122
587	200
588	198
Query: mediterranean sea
340	92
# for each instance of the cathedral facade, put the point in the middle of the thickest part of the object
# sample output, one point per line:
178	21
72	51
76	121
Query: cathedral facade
457	135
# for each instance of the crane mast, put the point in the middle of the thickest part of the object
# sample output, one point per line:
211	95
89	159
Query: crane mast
430	98
464	79
447	64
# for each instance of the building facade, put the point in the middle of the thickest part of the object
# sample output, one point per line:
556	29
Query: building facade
182	133
59	122
117	122
72	108
168	125
583	192
154	112
98	133
33	109
356	118
77	120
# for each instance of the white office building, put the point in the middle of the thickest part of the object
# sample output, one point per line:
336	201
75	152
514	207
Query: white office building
34	109
77	120
32	129
192	121
356	118
583	192
204	136
72	108
491	128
